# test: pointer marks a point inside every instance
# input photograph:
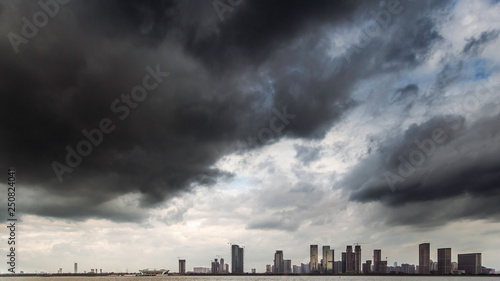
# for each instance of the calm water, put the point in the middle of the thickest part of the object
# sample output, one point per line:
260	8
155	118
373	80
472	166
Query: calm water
254	278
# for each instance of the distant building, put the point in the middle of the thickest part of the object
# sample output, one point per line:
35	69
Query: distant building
268	268
201	270
407	268
287	266
367	267
254	270
221	266
313	263
357	259
383	267
215	267
349	259
454	266
324	260
182	266
444	261
344	262
377	258
76	268
424	251
296	269
488	270
236	259
337	267
304	268
278	262
470	263
329	261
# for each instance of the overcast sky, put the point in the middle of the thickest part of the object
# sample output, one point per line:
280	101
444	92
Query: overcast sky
144	131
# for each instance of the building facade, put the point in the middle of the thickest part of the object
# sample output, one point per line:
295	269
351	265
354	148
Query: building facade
424	260
444	261
377	258
236	259
349	259
470	263
357	259
313	263
182	266
278	262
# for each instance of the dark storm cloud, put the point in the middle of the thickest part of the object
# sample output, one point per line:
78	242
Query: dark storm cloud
225	79
414	170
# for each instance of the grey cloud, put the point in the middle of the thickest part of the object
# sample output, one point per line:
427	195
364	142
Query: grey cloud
476	46
462	166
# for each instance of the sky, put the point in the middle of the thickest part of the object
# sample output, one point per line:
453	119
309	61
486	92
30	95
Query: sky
146	131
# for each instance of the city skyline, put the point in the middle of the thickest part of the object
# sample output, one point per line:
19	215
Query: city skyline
141	133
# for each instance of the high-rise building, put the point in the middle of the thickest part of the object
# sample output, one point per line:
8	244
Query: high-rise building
349	260
377	258
287	266
324	260
329	261
268	268
470	263
344	262
278	262
313	264
76	268
182	266
444	261
424	251
221	266
357	260
236	259
215	267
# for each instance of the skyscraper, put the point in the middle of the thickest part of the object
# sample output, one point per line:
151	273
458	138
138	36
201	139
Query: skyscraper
324	261
377	258
444	261
313	264
182	266
329	261
221	266
278	262
215	266
424	251
76	268
357	260
236	259
470	263
349	259
344	262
